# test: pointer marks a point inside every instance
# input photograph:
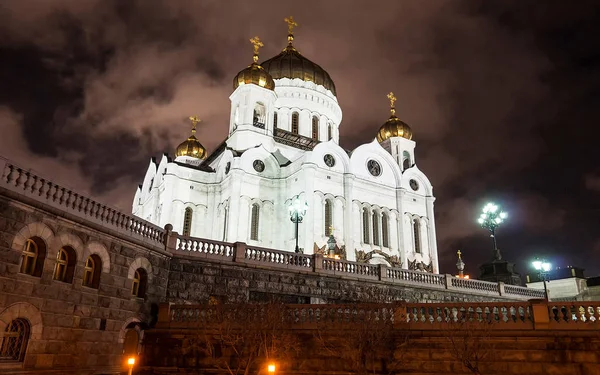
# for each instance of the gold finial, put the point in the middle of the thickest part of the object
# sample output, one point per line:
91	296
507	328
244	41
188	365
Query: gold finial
331	229
392	99
459	254
195	120
257	44
291	24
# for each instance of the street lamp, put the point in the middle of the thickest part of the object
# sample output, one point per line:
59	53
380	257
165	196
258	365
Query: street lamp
271	368
297	210
131	362
490	219
543	269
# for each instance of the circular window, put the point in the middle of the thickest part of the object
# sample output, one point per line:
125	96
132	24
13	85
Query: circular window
258	165
227	167
329	160
374	167
414	185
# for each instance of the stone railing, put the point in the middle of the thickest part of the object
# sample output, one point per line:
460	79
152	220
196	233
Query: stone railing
278	259
29	184
532	315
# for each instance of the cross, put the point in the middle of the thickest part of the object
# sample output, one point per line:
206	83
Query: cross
291	24
392	99
194	119
257	44
331	229
458	253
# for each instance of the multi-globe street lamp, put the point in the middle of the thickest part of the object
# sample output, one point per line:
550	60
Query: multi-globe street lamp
297	209
543	269
491	218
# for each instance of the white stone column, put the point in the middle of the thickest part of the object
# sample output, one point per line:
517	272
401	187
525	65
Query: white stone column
307	240
349	214
234	219
432	235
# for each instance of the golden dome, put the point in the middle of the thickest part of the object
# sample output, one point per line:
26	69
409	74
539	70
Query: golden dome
291	64
254	73
192	147
393	127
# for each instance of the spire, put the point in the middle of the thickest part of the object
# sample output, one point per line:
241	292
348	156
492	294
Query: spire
392	99
195	120
257	44
460	265
291	24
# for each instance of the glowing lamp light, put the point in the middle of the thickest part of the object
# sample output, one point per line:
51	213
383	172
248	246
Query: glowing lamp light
271	368
131	361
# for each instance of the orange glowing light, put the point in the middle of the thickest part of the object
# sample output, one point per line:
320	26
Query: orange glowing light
271	368
131	361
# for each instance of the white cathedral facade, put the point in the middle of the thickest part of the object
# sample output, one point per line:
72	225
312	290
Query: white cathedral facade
283	144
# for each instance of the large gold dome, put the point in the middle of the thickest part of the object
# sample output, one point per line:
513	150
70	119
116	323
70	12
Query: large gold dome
192	147
291	64
254	73
393	127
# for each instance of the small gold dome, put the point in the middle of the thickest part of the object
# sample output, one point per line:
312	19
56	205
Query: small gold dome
254	73
393	127
192	147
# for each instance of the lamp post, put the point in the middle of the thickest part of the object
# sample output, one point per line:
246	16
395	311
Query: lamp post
131	362
490	219
297	209
543	269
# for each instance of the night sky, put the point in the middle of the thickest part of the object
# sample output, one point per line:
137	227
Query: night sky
503	98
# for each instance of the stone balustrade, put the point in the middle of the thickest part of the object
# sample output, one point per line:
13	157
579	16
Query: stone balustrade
29	184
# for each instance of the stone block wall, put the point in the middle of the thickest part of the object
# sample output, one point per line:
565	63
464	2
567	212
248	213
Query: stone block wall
73	326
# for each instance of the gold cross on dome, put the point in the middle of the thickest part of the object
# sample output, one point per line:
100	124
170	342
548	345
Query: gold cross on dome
195	120
291	24
331	229
392	99
257	44
458	253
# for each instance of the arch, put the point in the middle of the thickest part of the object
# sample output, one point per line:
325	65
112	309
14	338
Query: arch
295	120
365	216
140	262
140	283
99	249
328	206
64	269
259	115
385	236
37	229
92	270
131	342
417	235
130	323
254	222
23	310
33	256
406	162
375	218
236	116
15	340
329	132
315	128
187	221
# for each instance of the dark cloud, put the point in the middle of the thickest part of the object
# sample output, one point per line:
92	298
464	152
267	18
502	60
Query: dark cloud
501	97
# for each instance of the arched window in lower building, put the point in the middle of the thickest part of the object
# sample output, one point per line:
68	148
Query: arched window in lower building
187	221
366	226
91	271
417	235
328	217
14	340
131	342
375	229
385	239
32	257
254	222
295	122
315	128
329	133
140	281
65	264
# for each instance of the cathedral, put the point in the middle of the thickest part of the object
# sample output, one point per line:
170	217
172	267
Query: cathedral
281	179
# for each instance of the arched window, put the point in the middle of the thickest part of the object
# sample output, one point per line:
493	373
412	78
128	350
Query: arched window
329	133
315	128
328	217
366	226
14	341
384	231
405	160
140	281
417	235
295	122
236	116
254	222
187	221
131	342
65	264
274	121
32	257
375	229
259	115
91	272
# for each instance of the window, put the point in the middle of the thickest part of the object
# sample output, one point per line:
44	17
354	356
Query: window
275	120
315	128
295	122
329	132
187	221
65	265
32	257
417	235
375	229
258	119
140	280
328	217
131	342
365	226
254	222
405	160
91	272
384	231
14	342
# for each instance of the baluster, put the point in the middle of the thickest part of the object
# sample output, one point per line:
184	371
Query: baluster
19	179
7	174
